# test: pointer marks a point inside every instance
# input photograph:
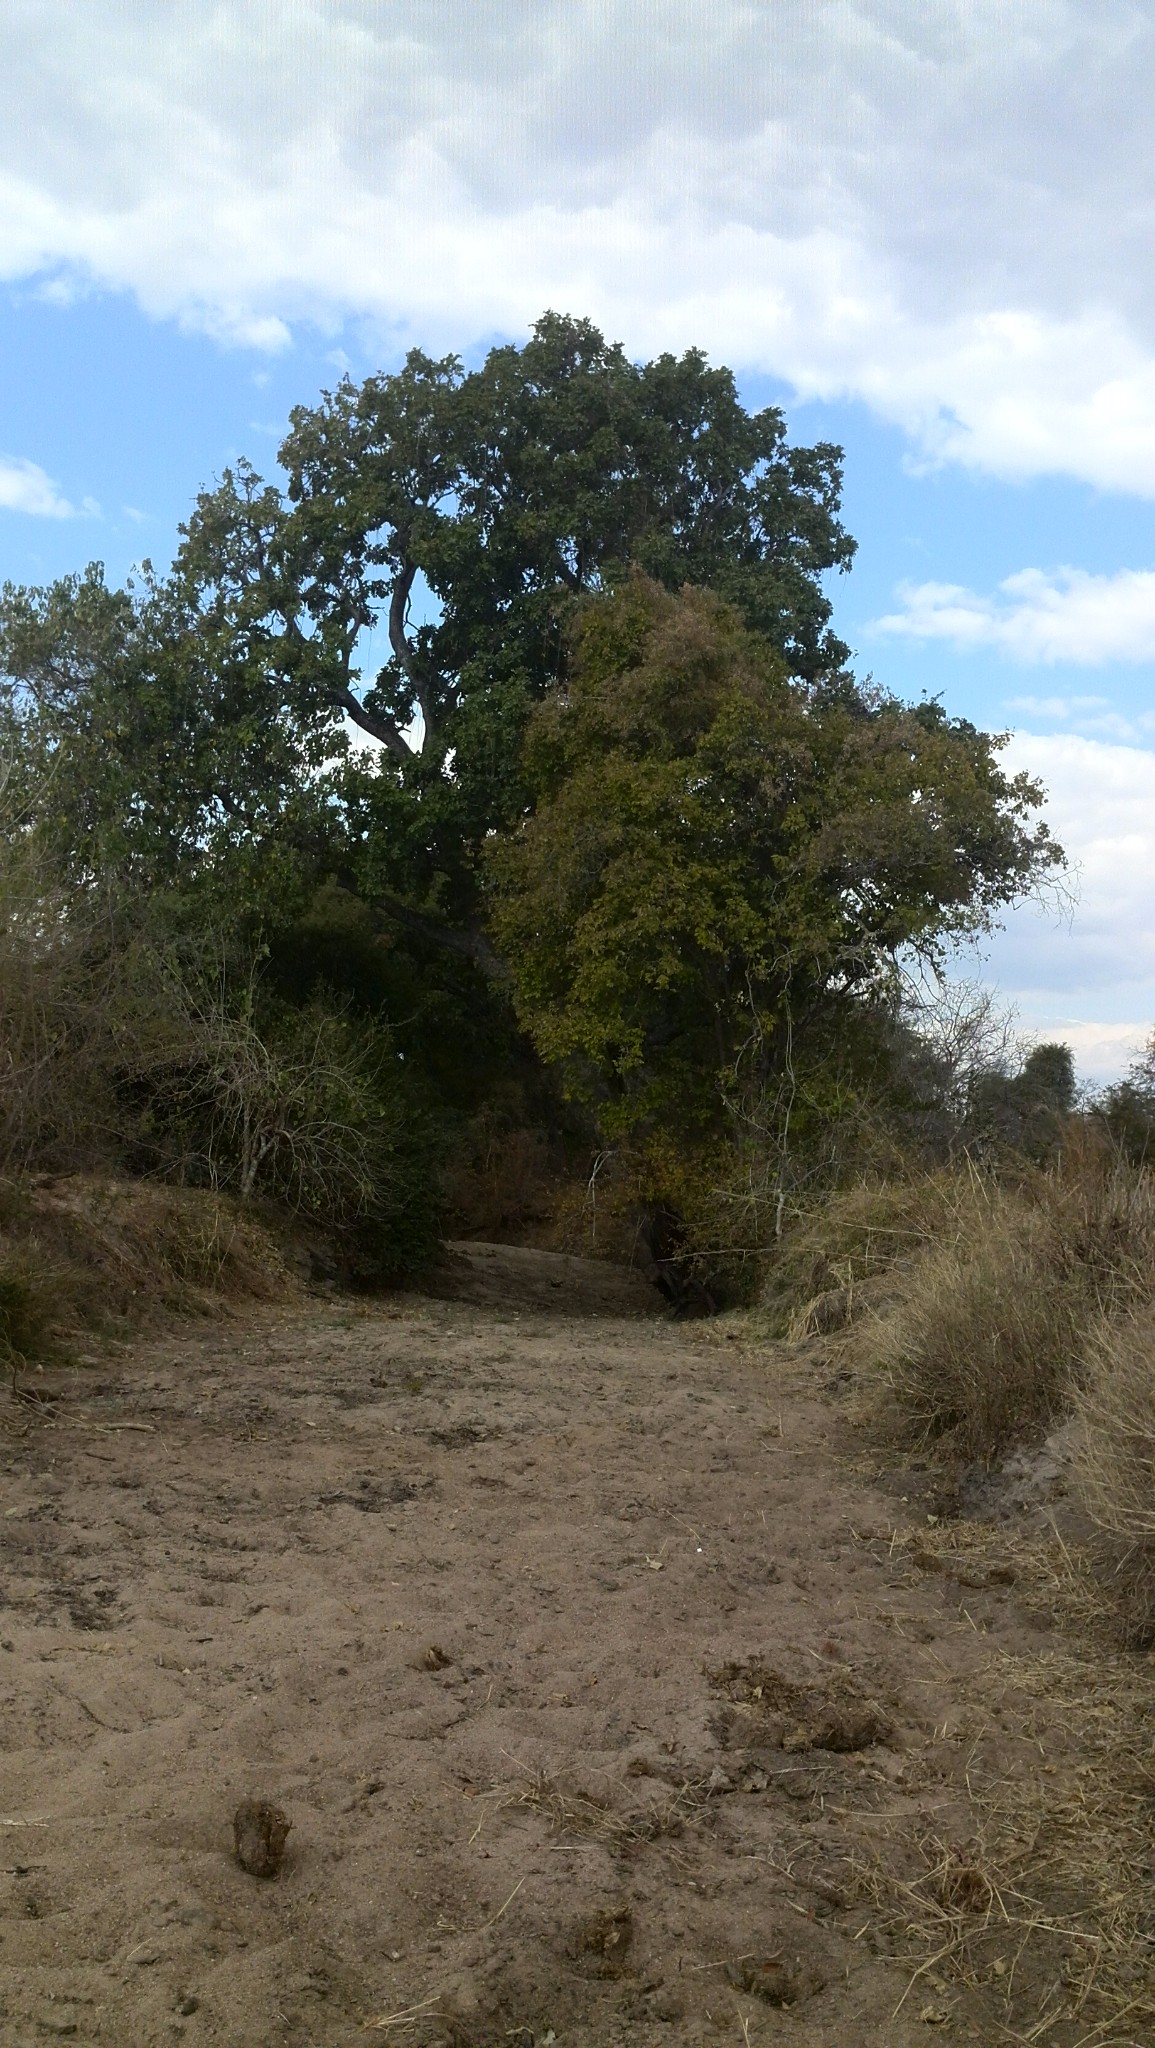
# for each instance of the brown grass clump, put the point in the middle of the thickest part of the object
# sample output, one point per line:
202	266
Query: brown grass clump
982	1331
978	1344
1115	1457
854	1239
574	1811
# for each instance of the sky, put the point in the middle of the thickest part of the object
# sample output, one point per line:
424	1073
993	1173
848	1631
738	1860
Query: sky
924	231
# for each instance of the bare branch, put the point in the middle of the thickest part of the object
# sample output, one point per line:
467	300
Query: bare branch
398	613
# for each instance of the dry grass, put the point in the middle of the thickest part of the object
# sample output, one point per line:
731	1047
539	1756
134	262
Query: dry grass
856	1237
979	1326
1115	1457
572	1811
978	1345
1046	1906
1041	1906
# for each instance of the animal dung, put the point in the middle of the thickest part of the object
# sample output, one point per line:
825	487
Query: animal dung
260	1831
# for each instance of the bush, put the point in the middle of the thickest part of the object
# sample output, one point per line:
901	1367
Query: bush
1115	1456
308	1107
504	1180
129	1043
1128	1110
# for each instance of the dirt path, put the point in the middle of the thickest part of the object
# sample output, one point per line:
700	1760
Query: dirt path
595	1685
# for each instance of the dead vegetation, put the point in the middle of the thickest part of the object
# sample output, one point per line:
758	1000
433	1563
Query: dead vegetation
83	1259
572	1811
1045	1908
976	1300
984	1341
993	1310
770	1711
1018	1874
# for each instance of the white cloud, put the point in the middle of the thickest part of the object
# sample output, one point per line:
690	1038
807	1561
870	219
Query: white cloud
1103	1052
1094	717
1089	970
945	211
1066	615
24	487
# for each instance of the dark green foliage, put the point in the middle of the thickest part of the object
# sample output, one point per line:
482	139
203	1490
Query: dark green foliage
1024	1111
134	1041
464	515
1048	1078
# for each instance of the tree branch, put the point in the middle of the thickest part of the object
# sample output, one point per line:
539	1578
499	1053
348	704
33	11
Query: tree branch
378	726
402	647
471	944
570	577
398	606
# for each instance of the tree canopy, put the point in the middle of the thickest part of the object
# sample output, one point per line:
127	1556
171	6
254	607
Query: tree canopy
714	853
449	522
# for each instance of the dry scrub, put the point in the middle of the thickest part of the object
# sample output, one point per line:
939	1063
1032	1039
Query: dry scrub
1052	1885
979	1343
837	1257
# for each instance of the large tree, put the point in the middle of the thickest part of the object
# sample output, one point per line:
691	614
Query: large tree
719	861
412	580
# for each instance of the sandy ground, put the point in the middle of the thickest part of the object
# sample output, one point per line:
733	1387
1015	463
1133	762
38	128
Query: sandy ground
592	1676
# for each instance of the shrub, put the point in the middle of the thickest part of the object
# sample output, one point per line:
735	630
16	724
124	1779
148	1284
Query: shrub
127	1045
308	1107
503	1181
1128	1109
